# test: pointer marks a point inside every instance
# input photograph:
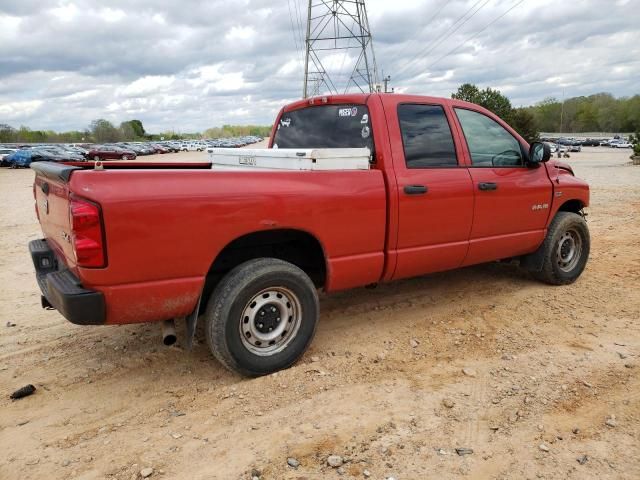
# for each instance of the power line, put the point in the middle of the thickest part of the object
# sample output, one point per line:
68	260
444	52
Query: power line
474	35
447	34
424	27
295	37
298	10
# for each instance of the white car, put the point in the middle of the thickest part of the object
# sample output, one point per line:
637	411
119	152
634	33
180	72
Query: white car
5	152
622	144
192	147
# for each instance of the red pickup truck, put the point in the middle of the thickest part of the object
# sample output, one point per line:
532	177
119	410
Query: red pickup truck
449	185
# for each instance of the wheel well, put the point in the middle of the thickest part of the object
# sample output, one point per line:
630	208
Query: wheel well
574	206
294	246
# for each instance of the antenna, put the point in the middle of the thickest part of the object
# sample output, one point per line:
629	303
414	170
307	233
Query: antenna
334	27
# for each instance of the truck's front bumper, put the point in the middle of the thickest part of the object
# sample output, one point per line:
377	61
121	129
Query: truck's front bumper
62	290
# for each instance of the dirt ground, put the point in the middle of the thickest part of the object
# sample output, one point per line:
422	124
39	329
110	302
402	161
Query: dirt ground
382	385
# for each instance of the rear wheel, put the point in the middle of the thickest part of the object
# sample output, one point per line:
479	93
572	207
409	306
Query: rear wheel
565	249
262	316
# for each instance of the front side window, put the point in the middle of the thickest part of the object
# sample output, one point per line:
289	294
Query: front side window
426	136
325	126
490	145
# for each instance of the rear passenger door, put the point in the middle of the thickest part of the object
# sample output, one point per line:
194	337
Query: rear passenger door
511	199
435	191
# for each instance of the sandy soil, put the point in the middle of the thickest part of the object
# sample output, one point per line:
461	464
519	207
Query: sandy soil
382	385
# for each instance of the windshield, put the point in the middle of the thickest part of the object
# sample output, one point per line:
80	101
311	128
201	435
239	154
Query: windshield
325	126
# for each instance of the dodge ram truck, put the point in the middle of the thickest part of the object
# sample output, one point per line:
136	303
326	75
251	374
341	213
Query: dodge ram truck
449	185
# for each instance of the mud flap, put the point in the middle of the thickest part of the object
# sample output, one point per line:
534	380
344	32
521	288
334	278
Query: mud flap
534	261
190	324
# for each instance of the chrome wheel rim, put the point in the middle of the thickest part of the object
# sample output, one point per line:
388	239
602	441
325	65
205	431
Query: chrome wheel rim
270	321
569	250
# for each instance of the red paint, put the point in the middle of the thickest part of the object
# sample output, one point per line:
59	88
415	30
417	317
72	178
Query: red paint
164	228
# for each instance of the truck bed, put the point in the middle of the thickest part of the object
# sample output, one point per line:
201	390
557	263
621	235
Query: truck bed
165	224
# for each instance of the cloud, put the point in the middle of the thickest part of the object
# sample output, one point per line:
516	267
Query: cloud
194	64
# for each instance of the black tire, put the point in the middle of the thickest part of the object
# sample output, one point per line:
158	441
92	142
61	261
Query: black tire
234	299
555	270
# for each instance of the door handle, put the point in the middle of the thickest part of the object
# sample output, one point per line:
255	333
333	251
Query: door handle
488	186
415	189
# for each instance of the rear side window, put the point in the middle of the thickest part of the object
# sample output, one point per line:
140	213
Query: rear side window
426	136
325	126
490	145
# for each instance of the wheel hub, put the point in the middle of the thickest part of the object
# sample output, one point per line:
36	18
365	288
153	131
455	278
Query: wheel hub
569	250
270	320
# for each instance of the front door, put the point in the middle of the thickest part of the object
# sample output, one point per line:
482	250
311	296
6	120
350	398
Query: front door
512	200
435	191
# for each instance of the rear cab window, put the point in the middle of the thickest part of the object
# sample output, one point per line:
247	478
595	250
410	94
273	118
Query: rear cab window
325	126
426	136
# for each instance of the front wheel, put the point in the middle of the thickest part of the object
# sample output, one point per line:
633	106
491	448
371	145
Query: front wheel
565	249
262	316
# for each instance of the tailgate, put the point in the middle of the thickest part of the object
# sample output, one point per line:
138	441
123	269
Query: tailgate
51	192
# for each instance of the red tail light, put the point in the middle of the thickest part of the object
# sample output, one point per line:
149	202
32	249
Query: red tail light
87	237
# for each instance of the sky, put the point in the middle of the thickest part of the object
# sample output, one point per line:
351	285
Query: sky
187	65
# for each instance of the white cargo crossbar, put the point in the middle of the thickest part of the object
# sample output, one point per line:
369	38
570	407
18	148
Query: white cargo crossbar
289	159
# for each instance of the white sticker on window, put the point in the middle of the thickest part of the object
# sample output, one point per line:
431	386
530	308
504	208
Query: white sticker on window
285	122
365	118
366	131
344	112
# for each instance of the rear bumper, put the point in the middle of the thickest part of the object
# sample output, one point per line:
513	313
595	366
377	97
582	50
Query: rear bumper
62	289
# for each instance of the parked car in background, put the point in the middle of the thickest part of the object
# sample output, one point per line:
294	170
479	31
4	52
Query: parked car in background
171	147
60	153
79	150
4	153
159	148
134	147
24	157
622	144
193	147
111	152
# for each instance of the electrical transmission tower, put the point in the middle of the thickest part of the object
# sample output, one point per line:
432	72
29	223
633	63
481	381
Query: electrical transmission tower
335	27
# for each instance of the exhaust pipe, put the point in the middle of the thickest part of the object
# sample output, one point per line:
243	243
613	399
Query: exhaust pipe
169	332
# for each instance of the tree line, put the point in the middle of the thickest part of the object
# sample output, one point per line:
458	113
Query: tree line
103	131
601	112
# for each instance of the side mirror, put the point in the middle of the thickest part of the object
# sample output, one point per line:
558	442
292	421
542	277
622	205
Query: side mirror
539	152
